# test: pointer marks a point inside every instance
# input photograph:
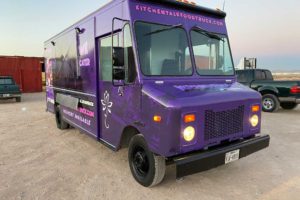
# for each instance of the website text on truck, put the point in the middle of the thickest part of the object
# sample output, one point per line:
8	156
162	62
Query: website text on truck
156	77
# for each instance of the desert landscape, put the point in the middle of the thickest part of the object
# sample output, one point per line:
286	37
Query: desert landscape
38	161
286	75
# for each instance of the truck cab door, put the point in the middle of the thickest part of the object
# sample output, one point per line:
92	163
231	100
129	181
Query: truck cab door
119	100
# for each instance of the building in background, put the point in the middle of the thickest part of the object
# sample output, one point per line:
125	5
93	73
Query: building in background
247	63
26	71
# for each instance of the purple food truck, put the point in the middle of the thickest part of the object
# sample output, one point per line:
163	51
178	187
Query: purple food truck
156	77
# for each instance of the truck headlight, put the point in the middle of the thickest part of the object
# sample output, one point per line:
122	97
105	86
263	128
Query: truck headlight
254	120
189	133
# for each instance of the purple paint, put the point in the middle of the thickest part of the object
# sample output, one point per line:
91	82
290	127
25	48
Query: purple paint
77	117
151	10
105	111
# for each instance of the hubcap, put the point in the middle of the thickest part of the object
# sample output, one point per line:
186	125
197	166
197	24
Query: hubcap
268	103
140	162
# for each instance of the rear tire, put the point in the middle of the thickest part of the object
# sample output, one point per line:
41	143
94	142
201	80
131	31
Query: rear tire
288	105
18	99
270	103
147	168
60	123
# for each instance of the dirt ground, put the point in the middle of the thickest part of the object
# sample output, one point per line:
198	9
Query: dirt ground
38	161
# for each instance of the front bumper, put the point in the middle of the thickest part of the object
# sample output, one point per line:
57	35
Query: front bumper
290	99
9	96
204	160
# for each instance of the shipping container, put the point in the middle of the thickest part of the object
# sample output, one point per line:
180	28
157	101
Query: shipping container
26	71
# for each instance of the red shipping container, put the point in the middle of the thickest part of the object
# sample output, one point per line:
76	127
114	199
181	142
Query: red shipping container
26	71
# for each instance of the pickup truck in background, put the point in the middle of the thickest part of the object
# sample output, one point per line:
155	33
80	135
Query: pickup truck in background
274	93
9	89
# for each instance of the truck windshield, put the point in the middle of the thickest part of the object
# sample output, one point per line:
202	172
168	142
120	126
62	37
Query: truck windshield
163	50
6	81
212	53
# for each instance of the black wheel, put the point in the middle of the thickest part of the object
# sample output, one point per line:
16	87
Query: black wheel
288	105
60	123
18	99
147	168
270	103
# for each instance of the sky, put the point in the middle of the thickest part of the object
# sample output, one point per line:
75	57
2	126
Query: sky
266	29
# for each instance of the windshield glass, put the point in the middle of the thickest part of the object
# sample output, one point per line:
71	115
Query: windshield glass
6	81
163	50
212	54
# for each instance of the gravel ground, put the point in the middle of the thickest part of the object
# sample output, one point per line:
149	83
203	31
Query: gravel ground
38	161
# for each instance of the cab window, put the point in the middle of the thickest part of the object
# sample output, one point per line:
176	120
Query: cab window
120	39
130	67
269	75
242	76
106	57
6	81
212	54
260	75
163	50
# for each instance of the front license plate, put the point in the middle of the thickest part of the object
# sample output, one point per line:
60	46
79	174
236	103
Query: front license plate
6	95
232	156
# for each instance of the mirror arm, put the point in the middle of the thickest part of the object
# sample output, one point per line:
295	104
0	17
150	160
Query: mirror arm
112	46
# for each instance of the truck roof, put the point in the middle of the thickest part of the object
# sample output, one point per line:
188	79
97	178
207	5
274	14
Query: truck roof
173	3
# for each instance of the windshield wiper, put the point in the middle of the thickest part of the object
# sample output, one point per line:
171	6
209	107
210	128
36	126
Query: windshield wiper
208	34
165	29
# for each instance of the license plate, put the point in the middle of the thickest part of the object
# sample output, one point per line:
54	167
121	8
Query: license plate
232	156
6	95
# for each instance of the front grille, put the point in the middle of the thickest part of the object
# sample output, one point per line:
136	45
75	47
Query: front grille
223	123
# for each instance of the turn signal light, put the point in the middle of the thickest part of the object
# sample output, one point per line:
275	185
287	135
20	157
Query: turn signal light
189	118
157	118
295	90
255	108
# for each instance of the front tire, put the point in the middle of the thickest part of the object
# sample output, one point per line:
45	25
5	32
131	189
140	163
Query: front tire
147	168
270	103
288	105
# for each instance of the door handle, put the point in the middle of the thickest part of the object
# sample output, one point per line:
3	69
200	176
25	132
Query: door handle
121	91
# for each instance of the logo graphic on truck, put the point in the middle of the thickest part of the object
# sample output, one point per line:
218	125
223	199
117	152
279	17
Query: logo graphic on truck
106	107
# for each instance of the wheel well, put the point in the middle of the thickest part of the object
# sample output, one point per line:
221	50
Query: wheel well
127	134
268	92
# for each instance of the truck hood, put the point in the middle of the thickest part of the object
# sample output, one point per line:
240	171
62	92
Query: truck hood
178	95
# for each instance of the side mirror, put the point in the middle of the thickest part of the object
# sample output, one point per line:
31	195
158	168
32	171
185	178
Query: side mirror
118	56
118	64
